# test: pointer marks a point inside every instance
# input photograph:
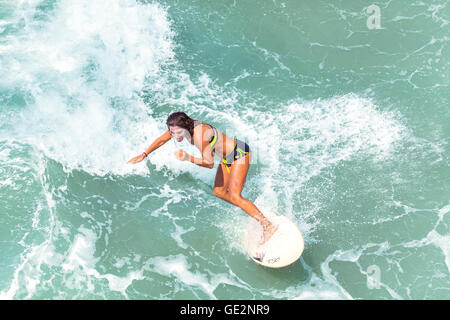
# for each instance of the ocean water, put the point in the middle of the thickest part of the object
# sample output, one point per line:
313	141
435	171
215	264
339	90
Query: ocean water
346	111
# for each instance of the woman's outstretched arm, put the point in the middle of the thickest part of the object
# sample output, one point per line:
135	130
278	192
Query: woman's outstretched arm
155	145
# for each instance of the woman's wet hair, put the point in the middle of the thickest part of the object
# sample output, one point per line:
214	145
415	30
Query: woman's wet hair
182	120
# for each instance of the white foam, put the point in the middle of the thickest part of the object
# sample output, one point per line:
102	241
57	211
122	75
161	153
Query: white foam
83	68
81	261
442	242
433	237
82	251
442	212
7	182
353	256
233	229
38	224
319	289
178	233
436	239
178	267
5	154
27	273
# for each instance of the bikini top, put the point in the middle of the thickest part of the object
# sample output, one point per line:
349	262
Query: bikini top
213	139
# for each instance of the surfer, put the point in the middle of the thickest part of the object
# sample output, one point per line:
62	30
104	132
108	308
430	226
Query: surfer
231	173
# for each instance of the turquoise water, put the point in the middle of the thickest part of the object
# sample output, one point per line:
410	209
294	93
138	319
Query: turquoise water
349	128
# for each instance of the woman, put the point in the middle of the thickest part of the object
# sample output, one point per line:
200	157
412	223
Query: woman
231	174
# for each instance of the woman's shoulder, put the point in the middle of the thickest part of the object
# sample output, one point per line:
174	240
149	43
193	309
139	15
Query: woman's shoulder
204	130
203	126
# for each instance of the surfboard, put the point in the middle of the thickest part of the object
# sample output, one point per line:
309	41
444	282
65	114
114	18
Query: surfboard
282	249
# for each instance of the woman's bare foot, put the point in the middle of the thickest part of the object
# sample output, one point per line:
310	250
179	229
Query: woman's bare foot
268	230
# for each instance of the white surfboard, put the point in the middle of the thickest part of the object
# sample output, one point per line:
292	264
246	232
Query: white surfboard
282	249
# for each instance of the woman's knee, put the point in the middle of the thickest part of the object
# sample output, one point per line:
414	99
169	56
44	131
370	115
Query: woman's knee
220	192
235	197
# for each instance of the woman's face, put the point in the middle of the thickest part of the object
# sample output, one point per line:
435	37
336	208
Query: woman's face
177	133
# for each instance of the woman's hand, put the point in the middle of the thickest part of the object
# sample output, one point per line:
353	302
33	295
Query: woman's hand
137	159
181	155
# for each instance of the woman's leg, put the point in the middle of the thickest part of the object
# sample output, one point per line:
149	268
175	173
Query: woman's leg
221	182
235	181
